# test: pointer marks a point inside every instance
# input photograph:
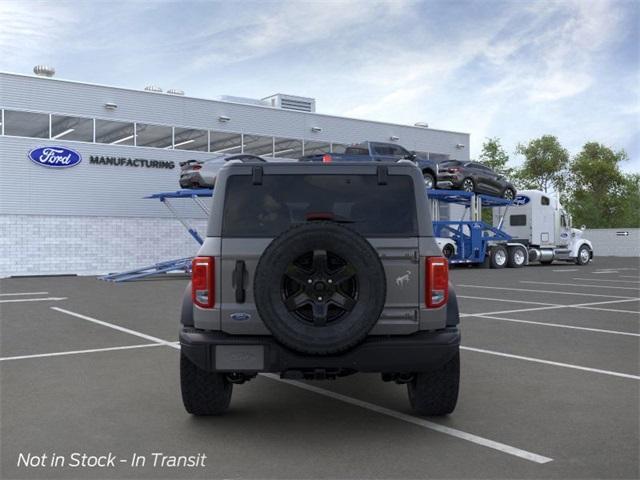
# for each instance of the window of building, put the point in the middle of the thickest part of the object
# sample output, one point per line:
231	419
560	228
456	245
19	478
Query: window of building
258	145
338	147
315	148
225	142
287	148
438	157
114	133
518	220
71	128
157	136
26	124
190	139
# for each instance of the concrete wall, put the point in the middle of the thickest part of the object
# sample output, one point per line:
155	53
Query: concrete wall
609	241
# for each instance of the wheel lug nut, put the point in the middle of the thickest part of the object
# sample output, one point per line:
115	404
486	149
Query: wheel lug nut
309	281
320	298
330	281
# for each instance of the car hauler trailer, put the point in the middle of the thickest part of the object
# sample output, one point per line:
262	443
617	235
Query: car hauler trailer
538	221
470	240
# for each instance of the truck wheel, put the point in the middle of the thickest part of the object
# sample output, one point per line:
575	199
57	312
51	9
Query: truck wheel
429	181
203	392
517	257
320	288
498	257
436	392
584	255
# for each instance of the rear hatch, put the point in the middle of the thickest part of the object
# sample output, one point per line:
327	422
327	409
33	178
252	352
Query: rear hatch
255	213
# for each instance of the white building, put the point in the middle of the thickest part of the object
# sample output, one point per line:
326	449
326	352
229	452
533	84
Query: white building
92	218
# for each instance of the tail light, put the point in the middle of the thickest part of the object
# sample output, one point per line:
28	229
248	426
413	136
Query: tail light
326	158
436	281
454	170
203	282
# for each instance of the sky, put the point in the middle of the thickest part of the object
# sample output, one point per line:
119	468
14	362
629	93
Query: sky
509	69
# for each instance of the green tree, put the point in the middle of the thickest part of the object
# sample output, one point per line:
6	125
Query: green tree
545	164
600	195
494	156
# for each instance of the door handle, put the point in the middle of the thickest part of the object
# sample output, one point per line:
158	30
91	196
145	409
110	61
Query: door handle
238	281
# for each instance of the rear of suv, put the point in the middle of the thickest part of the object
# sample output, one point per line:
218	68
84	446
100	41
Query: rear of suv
316	272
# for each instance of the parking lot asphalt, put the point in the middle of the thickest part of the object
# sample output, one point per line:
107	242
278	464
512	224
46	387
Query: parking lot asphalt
549	388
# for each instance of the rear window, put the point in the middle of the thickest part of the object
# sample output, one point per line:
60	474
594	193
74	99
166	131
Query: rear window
356	151
356	201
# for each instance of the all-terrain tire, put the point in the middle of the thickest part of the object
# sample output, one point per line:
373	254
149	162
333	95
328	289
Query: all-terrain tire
436	393
288	325
203	392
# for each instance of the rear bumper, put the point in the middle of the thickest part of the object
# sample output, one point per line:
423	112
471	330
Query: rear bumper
420	352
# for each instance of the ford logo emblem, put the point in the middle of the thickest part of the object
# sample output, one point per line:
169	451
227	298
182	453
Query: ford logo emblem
240	316
55	157
521	200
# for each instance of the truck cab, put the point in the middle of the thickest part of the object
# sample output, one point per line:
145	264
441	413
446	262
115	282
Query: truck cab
538	221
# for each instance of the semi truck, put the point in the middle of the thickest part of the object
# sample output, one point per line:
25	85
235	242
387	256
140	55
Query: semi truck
534	227
538	221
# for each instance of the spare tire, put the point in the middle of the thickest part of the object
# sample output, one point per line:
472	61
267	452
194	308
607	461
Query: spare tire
319	288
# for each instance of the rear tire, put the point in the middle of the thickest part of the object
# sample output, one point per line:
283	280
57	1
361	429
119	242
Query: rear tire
508	194
203	392
468	185
499	257
517	257
436	393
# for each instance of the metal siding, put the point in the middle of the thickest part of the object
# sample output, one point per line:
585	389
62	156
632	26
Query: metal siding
102	190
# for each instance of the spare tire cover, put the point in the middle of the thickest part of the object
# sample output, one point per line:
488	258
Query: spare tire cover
319	288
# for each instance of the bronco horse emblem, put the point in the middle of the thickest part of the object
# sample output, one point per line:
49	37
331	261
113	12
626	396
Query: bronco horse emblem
403	279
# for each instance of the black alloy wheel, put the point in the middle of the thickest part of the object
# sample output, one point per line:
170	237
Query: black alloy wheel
320	287
508	194
468	185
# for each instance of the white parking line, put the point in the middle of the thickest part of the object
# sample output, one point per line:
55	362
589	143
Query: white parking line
77	352
604	280
370	406
116	327
558	325
628	276
531	290
548	362
581	285
509	301
587	306
48	299
567	270
469	437
23	293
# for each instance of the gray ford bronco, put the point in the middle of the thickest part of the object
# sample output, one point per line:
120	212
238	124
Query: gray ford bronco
317	272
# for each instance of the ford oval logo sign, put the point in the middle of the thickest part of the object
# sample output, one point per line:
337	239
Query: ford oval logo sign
55	157
521	200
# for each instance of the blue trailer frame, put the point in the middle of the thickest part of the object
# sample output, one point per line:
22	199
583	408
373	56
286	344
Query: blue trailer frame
474	237
178	264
